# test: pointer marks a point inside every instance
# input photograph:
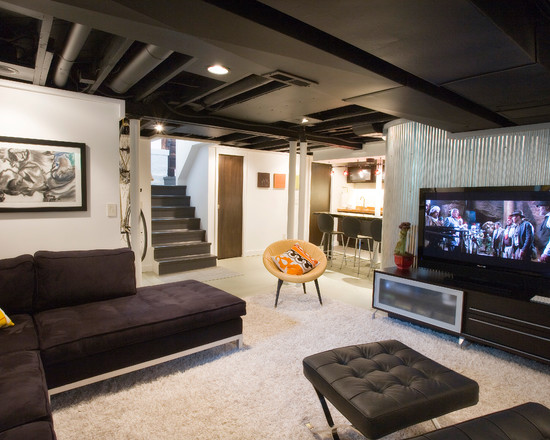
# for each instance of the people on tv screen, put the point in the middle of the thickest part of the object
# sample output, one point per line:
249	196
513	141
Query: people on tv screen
515	230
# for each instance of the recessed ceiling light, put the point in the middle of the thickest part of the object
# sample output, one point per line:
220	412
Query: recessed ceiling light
218	69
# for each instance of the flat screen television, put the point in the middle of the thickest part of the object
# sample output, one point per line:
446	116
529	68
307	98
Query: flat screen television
361	174
456	235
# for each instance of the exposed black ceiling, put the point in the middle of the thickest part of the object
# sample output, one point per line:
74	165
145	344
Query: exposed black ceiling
349	66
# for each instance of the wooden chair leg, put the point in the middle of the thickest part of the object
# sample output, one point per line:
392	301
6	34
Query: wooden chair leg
279	284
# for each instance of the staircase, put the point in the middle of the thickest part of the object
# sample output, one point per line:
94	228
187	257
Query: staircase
178	242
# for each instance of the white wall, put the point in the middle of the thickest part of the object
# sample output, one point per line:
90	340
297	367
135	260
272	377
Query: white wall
196	181
264	209
41	113
348	195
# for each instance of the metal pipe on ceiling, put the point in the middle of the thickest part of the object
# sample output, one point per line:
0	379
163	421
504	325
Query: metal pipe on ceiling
77	37
242	86
143	63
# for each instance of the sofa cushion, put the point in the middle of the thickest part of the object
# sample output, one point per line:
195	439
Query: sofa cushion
156	311
23	390
22	336
30	431
76	277
17	284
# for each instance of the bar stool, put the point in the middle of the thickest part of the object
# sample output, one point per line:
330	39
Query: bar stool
325	223
352	230
366	236
376	234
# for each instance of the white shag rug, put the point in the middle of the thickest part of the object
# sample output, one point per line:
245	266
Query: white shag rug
259	392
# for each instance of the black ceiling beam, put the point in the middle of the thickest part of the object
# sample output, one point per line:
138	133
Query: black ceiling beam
160	111
341	112
294	28
347	122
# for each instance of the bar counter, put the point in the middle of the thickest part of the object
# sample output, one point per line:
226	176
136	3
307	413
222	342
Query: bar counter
348	213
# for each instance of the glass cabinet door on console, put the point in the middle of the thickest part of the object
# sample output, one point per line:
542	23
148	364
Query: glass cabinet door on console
434	305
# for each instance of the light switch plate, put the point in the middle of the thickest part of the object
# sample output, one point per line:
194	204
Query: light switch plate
111	210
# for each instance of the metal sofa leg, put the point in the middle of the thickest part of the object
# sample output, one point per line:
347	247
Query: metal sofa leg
328	415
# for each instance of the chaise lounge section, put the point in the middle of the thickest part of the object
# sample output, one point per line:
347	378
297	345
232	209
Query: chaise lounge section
79	318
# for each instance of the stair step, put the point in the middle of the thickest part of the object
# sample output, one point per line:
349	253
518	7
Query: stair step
168	189
170	200
172	211
163	224
177	236
173	250
179	243
182	264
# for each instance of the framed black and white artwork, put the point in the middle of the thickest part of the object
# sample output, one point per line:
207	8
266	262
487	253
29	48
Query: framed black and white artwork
42	175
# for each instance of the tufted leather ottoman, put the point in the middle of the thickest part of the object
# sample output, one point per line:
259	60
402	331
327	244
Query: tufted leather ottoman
385	386
530	421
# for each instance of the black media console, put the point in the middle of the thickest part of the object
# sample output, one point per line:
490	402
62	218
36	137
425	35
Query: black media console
429	298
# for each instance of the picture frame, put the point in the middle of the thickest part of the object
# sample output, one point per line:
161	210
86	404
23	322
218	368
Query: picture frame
42	175
264	180
279	181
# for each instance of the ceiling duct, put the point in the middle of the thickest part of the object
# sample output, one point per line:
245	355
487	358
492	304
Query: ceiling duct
77	37
363	130
145	61
288	78
371	130
242	86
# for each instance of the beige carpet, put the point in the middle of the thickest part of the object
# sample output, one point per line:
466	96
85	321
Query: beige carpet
259	392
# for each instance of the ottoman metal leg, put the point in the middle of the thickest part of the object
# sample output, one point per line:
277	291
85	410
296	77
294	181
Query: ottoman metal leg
328	415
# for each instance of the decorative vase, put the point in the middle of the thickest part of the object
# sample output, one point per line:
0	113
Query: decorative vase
403	262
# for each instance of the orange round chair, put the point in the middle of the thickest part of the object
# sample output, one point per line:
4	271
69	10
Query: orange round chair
282	246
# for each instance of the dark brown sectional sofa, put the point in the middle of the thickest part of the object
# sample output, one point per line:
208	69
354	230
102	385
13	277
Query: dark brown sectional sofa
79	318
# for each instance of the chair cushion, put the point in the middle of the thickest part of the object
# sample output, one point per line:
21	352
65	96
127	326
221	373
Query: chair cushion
295	261
70	278
70	333
23	390
17	284
22	336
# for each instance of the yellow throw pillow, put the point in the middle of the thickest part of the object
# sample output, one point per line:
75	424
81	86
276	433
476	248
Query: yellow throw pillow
295	261
5	321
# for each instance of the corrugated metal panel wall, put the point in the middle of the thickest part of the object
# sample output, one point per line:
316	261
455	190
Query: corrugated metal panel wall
420	156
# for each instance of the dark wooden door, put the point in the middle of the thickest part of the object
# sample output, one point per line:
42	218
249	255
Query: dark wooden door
320	197
230	206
